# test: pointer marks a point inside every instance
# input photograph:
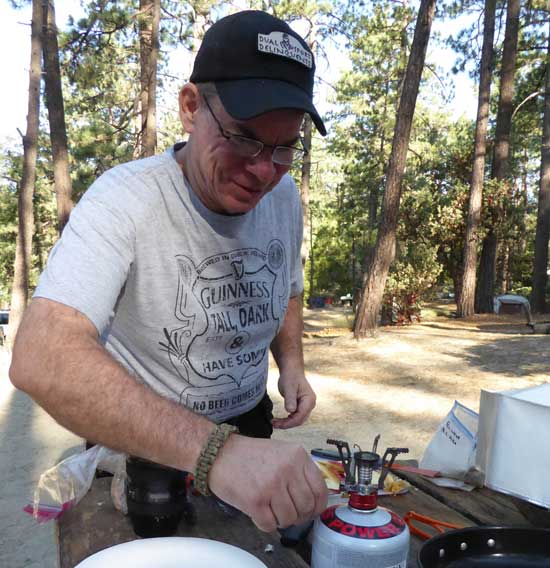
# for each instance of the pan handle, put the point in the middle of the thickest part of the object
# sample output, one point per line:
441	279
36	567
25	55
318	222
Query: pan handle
438	525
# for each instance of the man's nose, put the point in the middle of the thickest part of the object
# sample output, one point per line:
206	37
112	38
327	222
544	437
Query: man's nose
262	166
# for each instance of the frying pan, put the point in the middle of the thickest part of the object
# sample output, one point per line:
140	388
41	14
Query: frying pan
487	547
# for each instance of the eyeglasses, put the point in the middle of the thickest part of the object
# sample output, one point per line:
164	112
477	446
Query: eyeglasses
251	148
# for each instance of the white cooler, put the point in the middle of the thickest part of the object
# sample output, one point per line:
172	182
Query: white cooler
514	442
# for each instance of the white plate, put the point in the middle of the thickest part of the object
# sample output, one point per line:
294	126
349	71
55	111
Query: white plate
172	552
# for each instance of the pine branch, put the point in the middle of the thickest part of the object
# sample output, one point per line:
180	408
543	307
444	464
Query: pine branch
525	100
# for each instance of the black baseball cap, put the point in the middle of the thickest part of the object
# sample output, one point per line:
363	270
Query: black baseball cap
258	64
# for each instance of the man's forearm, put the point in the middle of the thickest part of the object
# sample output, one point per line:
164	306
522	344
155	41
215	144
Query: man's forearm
77	381
287	345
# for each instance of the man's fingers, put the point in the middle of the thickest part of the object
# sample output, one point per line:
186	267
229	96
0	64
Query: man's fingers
265	520
304	501
284	510
296	419
291	404
279	484
318	487
305	407
290	422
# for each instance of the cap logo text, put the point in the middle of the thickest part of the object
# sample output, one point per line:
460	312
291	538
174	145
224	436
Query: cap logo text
284	45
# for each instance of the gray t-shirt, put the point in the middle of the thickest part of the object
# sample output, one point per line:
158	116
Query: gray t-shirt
186	299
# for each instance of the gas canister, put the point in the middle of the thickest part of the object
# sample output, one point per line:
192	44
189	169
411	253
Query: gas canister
359	534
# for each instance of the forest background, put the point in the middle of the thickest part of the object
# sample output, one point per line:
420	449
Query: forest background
473	198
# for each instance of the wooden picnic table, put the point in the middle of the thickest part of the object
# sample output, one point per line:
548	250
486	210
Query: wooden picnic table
94	524
482	506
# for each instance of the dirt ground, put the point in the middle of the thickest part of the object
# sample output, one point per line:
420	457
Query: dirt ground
403	382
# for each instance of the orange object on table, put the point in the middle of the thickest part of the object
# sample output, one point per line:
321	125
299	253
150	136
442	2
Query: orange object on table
439	526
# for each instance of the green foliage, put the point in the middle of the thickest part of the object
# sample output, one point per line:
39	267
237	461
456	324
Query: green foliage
331	245
10	172
431	225
365	102
100	65
413	273
45	226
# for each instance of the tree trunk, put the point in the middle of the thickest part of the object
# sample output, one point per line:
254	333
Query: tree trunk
37	243
485	288
465	302
375	187
486	285
457	285
354	286
311	256
23	251
376	276
540	264
503	268
306	164
149	52
304	187
56	116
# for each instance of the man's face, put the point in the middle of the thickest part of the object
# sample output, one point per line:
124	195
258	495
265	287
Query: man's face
225	181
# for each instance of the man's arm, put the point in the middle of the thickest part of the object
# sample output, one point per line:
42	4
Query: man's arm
58	360
287	350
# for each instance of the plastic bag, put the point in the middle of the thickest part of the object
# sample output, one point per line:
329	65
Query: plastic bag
64	485
452	449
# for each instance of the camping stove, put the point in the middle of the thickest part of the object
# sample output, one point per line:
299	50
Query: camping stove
360	533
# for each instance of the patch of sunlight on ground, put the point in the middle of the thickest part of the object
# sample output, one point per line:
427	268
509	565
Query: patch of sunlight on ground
392	348
401	400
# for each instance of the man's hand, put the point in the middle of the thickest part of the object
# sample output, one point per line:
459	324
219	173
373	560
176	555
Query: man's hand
274	482
299	400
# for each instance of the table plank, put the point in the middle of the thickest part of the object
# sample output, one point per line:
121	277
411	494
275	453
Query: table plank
483	506
94	524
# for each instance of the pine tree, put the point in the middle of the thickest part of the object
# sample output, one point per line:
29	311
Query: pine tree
22	265
540	263
56	115
466	295
375	279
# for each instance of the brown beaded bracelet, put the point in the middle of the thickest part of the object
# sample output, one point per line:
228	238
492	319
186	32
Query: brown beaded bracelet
216	440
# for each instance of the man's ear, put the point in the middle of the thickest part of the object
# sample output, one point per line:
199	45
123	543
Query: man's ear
189	103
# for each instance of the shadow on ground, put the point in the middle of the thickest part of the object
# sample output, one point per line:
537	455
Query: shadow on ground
512	356
30	442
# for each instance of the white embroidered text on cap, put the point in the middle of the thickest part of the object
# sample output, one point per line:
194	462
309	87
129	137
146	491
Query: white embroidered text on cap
285	45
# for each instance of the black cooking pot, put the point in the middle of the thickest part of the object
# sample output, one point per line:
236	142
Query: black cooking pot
480	547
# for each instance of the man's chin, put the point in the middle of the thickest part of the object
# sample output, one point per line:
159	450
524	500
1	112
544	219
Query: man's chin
241	206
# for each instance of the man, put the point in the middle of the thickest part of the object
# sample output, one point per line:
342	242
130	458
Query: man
150	327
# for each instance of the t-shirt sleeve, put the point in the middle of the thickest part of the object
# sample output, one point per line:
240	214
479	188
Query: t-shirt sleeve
88	266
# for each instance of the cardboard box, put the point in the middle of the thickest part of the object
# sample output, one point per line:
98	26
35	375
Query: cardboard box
514	442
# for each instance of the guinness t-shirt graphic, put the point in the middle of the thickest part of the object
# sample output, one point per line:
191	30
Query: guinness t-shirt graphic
187	300
228	307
